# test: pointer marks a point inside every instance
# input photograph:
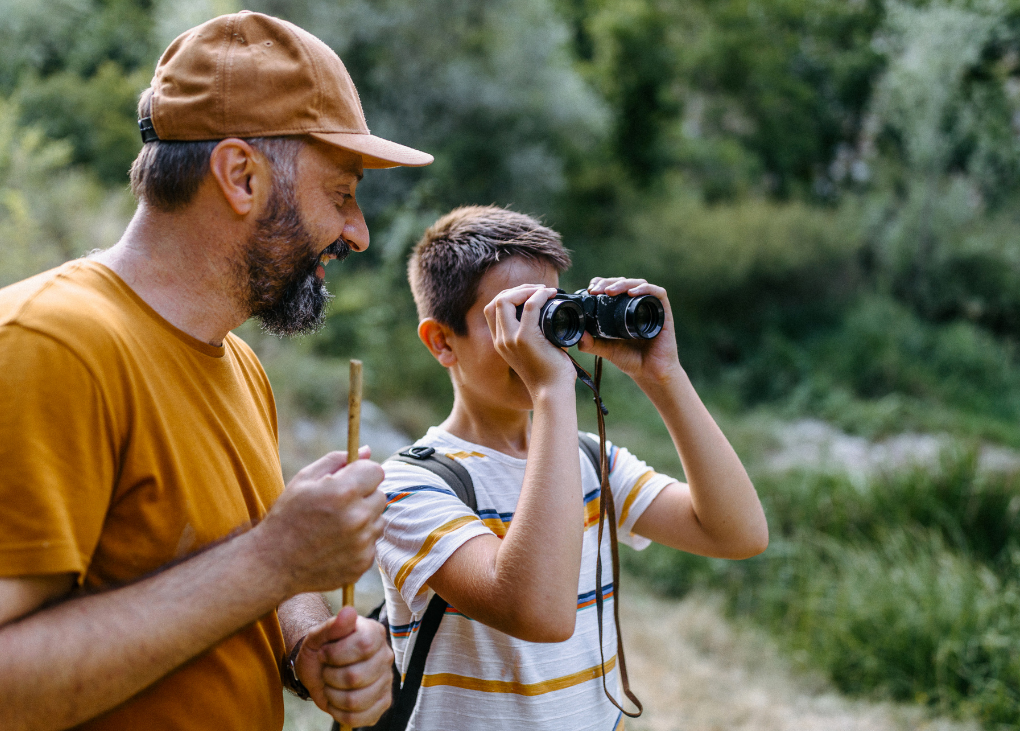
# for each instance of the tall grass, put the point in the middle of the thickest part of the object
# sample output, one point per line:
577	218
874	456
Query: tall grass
906	588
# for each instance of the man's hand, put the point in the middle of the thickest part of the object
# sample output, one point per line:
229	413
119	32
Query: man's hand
321	532
654	360
346	666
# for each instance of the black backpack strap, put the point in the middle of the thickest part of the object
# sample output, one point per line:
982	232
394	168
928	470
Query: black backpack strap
591	449
405	696
403	705
446	468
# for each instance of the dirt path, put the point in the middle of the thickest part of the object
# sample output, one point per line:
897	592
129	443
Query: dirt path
695	671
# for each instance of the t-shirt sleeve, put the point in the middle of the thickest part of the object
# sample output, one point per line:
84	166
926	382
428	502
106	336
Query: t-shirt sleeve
57	457
635	485
423	524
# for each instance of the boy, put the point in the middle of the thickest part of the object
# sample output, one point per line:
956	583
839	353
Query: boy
519	645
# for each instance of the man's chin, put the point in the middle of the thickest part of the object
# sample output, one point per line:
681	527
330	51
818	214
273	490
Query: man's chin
301	311
285	328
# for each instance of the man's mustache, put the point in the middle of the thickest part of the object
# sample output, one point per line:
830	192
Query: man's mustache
339	249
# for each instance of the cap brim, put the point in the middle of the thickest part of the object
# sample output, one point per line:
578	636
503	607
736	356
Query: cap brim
375	151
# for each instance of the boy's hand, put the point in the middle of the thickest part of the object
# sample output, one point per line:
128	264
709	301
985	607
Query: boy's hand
653	360
521	344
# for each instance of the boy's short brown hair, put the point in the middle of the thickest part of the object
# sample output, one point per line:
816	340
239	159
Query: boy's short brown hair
456	251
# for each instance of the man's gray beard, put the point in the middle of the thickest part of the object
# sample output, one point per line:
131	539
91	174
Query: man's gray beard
283	293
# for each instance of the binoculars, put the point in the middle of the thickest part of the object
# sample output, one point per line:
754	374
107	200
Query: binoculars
565	317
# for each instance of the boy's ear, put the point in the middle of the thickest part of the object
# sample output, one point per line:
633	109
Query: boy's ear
436	337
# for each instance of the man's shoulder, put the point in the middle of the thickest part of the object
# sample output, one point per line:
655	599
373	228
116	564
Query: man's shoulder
75	301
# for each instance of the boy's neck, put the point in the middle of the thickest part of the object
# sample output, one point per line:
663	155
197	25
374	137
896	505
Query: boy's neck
504	430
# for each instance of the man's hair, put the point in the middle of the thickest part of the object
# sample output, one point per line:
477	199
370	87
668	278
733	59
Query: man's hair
166	174
456	251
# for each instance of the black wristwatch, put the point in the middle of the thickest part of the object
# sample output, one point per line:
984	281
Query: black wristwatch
289	677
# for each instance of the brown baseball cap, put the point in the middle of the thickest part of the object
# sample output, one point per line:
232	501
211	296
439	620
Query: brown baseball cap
252	75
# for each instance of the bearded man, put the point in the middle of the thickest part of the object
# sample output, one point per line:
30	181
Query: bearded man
154	571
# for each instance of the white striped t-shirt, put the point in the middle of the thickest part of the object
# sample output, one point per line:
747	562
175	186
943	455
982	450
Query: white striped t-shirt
477	678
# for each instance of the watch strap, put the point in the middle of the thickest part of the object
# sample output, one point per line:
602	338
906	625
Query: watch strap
289	676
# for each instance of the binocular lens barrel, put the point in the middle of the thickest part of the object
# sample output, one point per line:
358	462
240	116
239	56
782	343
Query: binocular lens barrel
644	317
562	322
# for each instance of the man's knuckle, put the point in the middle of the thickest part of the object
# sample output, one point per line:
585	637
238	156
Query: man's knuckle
364	644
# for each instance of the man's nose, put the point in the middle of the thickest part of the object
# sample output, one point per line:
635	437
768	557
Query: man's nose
355	231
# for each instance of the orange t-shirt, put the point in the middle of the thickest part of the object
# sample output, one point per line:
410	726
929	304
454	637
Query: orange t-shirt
126	444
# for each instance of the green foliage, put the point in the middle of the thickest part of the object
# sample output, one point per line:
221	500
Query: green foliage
882	350
75	68
77	36
487	87
907	587
736	93
49	211
92	114
906	620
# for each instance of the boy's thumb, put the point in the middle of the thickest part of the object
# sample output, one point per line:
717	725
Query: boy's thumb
333	629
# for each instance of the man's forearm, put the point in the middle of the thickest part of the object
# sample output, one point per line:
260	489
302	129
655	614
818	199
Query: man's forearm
300	614
71	662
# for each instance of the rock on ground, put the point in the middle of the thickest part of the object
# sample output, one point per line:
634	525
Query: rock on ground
814	444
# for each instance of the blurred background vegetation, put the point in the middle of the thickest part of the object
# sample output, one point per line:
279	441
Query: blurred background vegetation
828	189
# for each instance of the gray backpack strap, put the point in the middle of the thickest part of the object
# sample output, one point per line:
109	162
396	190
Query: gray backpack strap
448	470
591	450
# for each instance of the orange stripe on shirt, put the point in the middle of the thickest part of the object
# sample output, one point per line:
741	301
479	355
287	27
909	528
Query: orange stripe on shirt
515	687
430	542
632	495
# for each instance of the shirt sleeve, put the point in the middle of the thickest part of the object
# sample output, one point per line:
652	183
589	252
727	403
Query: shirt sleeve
423	524
57	457
635	485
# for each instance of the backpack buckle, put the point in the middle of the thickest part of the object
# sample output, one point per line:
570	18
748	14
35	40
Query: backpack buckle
418	452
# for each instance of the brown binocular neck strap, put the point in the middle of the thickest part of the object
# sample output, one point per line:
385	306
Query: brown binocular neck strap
607	508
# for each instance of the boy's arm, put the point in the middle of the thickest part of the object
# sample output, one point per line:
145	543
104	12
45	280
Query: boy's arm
526	584
718	512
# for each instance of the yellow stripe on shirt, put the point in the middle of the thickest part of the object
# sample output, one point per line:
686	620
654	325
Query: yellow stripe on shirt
632	495
515	687
591	513
464	455
496	525
430	542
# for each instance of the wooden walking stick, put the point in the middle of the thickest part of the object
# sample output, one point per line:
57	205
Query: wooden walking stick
353	437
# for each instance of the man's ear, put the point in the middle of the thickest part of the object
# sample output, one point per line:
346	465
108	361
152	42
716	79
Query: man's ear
436	337
242	174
